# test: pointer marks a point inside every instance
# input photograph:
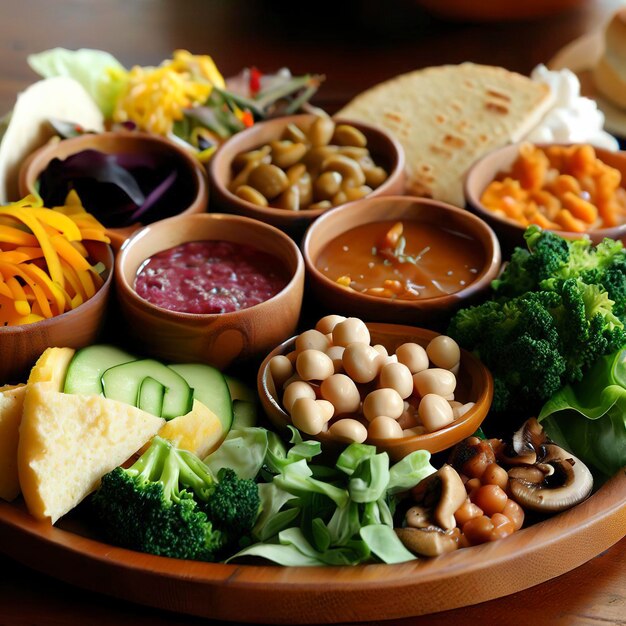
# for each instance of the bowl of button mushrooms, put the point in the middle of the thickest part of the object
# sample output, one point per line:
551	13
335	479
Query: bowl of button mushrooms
290	170
400	388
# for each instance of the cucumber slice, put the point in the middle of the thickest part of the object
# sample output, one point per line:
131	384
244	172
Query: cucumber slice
209	386
84	374
151	395
122	382
239	390
244	414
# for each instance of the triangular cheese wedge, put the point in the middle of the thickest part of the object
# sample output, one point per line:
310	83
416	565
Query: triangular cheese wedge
11	403
68	442
51	367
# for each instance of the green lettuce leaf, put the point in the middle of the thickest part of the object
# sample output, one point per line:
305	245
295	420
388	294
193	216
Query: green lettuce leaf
589	418
100	73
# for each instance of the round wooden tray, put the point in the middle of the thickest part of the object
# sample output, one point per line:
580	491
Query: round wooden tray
272	594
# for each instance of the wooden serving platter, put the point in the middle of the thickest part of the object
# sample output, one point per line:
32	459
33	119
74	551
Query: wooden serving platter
272	594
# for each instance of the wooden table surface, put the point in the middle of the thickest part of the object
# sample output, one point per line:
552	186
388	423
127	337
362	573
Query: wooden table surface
355	45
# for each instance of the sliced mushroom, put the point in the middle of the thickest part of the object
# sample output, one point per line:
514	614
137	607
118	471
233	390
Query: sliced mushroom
558	482
429	541
453	495
417	517
525	445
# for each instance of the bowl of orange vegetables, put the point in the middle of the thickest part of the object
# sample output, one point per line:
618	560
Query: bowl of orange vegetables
55	278
575	190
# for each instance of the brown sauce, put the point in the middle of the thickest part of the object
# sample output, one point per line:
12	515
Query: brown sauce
432	261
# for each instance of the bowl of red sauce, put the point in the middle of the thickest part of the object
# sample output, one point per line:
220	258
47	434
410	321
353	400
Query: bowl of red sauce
209	288
400	259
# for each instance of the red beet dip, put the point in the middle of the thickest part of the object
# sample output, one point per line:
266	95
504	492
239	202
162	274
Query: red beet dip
210	277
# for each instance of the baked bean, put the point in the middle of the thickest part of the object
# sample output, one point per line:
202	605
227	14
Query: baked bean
348	430
490	498
514	512
495	475
341	391
296	390
435	380
361	362
314	365
467	511
413	356
383	427
443	352
434	412
397	376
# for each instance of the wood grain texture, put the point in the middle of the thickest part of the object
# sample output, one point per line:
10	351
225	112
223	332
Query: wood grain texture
259	593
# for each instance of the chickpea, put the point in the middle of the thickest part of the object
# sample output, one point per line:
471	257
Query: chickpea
268	179
296	390
435	380
328	323
434	412
281	369
413	356
249	194
349	331
341	391
495	475
308	416
314	365
397	376
321	131
416	431
478	530
490	498
312	340
383	402
327	408
348	431
361	362
383	427
514	512
443	352
336	355
381	350
502	527
460	411
467	511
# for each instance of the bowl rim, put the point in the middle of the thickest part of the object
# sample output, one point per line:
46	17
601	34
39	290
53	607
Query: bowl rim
490	268
486	393
94	301
472	199
123	286
398	163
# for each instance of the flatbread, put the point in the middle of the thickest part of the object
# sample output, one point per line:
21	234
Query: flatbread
447	117
59	98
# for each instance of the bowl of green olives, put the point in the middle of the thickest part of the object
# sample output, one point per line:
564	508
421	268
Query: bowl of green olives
290	170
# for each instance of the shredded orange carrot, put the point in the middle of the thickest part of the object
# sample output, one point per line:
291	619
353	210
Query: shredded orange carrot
45	269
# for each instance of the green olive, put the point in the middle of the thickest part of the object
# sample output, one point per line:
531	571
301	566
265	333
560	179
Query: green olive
285	153
321	131
268	180
347	167
346	135
327	185
289	199
247	193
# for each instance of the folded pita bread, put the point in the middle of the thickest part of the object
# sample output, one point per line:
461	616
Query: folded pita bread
447	117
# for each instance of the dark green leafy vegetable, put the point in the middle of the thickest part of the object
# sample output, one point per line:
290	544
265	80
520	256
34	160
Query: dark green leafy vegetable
557	307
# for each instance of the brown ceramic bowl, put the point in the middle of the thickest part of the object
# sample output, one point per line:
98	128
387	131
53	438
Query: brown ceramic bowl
122	142
218	339
475	384
385	150
432	311
510	233
22	345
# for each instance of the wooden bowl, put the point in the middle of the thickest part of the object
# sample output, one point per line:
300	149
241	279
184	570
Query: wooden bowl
22	345
510	232
385	150
121	142
218	339
475	384
432	311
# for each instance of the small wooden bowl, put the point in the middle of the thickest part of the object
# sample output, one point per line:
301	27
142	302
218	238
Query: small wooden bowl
475	384
426	311
121	142
385	150
22	345
218	339
510	232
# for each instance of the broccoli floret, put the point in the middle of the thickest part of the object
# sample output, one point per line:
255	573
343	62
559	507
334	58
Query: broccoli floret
161	505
